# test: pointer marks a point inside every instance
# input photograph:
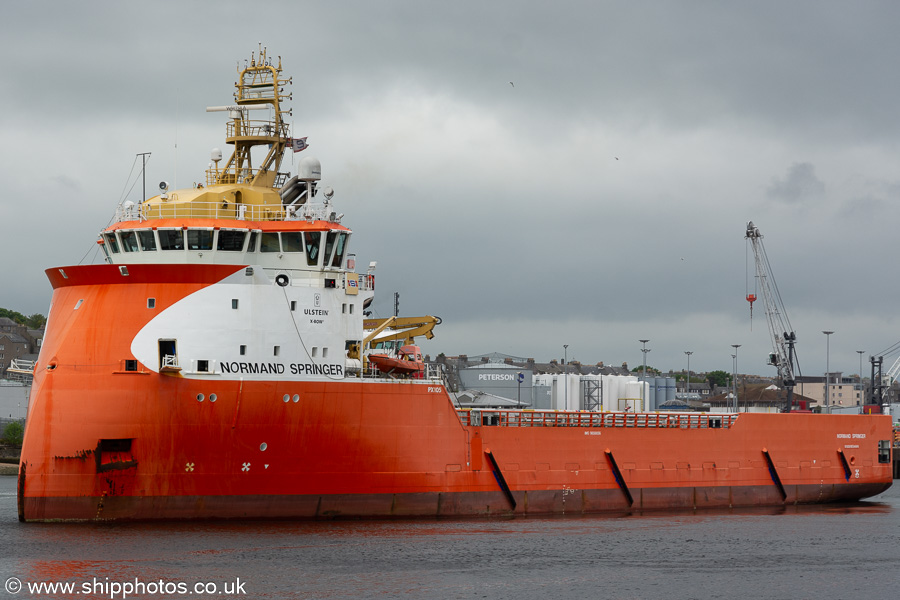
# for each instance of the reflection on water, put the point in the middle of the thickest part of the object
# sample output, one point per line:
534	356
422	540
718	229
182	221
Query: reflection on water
794	552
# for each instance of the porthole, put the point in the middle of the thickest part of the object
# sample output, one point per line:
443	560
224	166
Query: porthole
212	398
286	398
296	398
263	446
200	397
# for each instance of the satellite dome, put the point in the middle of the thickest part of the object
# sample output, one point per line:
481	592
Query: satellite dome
309	169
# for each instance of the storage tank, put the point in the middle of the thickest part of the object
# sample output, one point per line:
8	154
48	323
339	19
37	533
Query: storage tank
649	389
660	394
670	389
542	398
632	399
614	388
571	388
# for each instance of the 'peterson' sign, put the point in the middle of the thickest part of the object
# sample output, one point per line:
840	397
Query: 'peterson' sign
496	377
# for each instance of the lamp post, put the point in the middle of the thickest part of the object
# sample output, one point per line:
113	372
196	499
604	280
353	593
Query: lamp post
566	375
860	352
687	383
734	377
645	350
520	377
827	367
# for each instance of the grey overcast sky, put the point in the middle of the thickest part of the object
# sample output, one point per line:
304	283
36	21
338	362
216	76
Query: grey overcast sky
598	199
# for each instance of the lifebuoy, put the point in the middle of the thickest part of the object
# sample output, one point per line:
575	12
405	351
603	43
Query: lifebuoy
282	280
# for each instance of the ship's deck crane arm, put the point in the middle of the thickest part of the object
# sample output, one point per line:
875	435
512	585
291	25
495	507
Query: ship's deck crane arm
403	328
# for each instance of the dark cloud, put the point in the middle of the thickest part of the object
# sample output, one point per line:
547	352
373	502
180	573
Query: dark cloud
800	185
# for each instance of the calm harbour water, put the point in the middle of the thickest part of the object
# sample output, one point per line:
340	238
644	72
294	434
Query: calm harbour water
817	553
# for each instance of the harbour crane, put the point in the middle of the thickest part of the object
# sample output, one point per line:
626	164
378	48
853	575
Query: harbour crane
881	382
780	331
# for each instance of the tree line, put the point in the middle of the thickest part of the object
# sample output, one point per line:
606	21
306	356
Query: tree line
714	378
35	321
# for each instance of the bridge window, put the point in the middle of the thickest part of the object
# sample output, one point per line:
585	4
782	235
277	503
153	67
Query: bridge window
313	239
171	239
147	239
269	243
231	240
251	245
292	241
330	237
129	241
112	242
339	251
200	239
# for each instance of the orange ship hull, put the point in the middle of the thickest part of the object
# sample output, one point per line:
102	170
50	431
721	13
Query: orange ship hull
106	443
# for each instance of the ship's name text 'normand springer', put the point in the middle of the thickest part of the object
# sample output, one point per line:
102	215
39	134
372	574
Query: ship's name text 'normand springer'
279	368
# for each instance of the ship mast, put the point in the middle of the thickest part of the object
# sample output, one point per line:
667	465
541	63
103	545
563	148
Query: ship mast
258	87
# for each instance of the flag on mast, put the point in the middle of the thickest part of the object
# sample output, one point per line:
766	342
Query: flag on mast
298	144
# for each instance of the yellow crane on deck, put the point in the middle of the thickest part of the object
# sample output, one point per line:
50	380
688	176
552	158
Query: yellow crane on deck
402	331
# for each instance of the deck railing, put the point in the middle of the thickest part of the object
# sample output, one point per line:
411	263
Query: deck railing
552	418
433	372
18	365
173	209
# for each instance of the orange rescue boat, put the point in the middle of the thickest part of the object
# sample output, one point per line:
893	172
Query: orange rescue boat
409	362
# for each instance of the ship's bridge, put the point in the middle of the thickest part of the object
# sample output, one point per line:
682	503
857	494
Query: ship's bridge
302	242
248	215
